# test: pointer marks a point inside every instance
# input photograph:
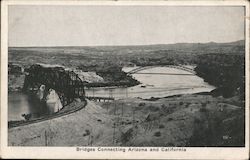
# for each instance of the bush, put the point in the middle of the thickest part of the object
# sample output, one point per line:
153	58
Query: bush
141	104
170	119
187	105
157	134
203	104
87	132
154	108
196	120
161	126
125	137
170	144
203	109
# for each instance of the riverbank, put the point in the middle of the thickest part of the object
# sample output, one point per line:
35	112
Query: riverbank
112	75
129	83
187	120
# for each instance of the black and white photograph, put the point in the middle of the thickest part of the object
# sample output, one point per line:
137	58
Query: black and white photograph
119	76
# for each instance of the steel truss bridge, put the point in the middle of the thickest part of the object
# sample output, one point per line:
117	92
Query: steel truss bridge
67	84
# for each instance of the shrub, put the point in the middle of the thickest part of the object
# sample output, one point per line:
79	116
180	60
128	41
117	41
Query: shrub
161	126
187	105
196	120
203	109
170	144
203	104
87	132
153	108
125	137
157	134
141	104
170	119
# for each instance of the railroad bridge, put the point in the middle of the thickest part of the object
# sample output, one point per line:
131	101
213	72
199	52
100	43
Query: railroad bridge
67	84
169	66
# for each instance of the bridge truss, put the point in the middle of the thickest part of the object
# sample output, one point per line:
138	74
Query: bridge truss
67	84
169	66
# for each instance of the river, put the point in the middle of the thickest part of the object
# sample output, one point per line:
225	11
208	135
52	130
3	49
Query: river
153	85
20	103
169	81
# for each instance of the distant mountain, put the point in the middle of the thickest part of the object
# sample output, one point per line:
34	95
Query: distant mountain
231	47
238	46
184	53
211	47
172	46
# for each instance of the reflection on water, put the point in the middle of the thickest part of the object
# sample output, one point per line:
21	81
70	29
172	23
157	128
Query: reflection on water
156	85
20	103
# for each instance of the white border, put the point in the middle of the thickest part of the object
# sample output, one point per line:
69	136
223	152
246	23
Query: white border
70	152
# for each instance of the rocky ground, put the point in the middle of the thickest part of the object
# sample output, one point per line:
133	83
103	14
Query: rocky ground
187	120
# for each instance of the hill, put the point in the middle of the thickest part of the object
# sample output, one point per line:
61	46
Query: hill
188	47
74	56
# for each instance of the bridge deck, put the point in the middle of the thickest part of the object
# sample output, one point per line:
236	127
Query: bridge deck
100	98
170	66
166	74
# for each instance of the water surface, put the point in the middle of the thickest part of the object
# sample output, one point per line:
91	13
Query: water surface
20	103
156	85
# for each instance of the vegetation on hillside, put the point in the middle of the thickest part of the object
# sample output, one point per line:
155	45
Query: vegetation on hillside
112	75
226	72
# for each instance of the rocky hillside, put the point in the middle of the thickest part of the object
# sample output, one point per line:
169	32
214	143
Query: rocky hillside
188	120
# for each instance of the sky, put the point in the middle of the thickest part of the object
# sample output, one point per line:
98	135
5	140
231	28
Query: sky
122	25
